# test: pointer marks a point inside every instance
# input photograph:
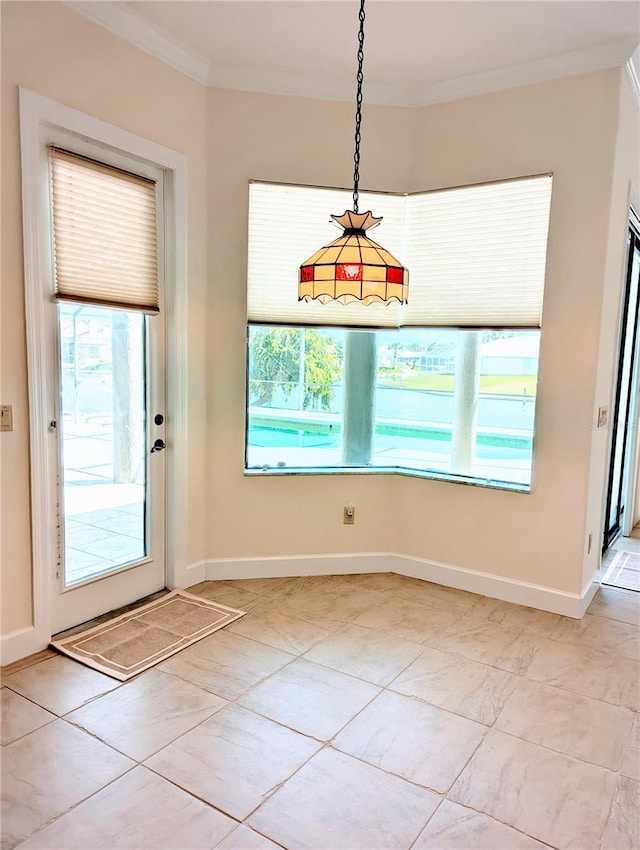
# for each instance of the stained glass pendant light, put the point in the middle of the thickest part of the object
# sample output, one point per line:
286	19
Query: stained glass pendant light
353	267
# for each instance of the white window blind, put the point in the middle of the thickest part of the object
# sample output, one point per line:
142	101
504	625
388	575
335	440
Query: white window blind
104	234
476	255
287	224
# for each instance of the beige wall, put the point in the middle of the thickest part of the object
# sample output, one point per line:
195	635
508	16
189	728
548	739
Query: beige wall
568	127
50	49
625	191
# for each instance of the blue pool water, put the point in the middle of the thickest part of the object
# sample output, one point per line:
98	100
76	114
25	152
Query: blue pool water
488	447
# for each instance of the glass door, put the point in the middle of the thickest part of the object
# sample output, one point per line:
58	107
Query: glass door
111	435
622	429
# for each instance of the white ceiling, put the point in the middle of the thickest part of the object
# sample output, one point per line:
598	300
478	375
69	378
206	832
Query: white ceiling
416	51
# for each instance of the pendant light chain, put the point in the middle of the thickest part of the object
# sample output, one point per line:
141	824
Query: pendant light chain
359	78
352	267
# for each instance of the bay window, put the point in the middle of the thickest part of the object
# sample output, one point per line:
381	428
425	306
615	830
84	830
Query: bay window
444	386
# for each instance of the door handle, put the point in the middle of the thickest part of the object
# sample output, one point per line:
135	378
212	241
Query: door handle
158	446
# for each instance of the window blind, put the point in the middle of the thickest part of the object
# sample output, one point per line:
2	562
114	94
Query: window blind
104	234
476	255
287	224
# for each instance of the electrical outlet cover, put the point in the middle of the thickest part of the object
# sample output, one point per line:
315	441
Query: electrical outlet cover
349	516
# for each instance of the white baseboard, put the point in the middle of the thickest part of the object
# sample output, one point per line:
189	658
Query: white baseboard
509	590
497	587
21	643
299	565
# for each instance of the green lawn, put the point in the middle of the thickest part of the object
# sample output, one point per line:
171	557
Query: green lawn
506	384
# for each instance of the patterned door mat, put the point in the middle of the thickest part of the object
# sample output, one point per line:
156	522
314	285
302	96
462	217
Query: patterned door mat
135	641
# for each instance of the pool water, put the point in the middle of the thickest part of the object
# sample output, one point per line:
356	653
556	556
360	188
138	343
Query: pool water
489	446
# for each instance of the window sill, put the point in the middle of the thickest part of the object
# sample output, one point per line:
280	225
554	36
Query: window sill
391	470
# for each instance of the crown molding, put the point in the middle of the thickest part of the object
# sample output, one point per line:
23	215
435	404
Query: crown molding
121	21
305	85
633	72
583	61
130	26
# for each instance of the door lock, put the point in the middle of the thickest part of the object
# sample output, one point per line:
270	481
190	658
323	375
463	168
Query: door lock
158	446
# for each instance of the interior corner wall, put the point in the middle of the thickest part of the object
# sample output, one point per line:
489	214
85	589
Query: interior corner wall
52	50
567	127
625	191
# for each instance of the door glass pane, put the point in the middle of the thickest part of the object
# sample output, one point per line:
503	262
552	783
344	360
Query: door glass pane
103	440
622	407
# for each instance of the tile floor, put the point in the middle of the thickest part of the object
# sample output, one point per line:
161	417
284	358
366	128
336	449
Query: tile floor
369	712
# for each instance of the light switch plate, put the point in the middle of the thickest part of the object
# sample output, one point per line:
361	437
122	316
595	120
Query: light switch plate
6	417
603	416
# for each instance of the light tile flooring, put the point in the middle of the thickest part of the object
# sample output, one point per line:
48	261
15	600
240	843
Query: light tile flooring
369	712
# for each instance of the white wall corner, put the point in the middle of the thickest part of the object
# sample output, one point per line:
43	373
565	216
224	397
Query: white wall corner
588	592
193	574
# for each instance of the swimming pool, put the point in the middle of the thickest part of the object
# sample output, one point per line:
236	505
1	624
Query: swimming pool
490	445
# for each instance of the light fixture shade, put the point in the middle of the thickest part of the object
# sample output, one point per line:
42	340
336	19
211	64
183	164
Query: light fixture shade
353	267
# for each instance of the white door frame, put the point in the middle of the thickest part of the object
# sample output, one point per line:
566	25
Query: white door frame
38	115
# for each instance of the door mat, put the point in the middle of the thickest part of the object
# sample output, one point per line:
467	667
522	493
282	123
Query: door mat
624	571
133	642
